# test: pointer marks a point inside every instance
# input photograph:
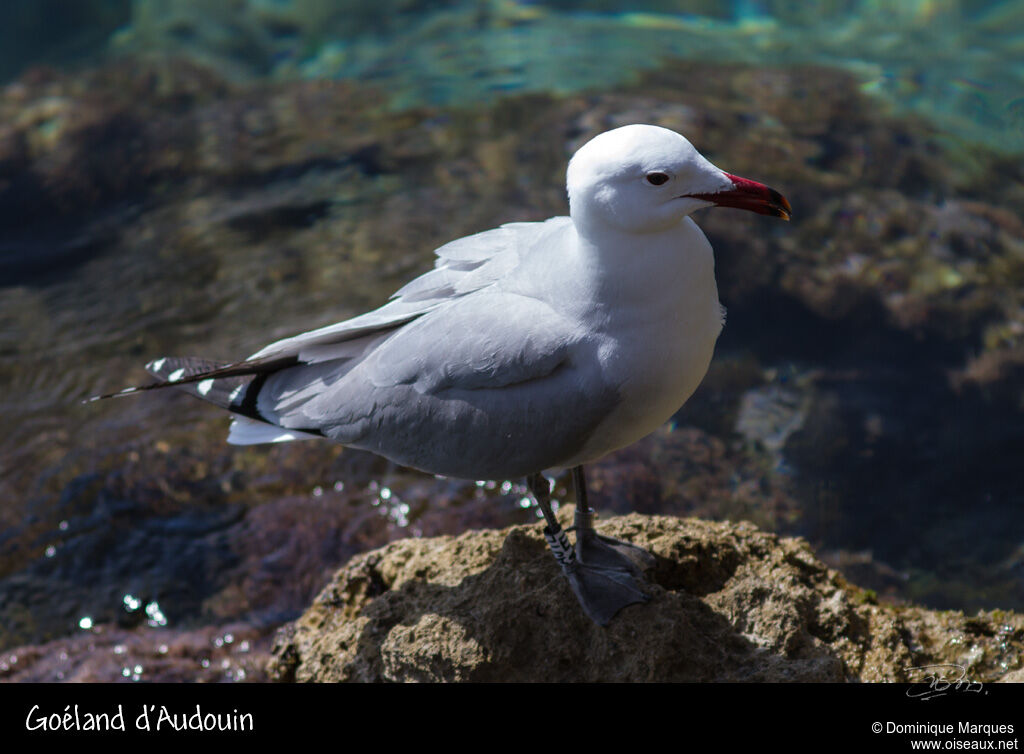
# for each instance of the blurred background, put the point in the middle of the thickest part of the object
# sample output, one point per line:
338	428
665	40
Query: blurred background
200	178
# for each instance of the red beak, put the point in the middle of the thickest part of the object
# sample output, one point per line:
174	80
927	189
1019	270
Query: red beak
751	195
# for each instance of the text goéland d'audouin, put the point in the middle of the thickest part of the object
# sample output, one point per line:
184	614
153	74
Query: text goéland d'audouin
151	717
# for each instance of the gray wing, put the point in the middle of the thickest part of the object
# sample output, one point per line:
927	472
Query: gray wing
310	369
462	267
492	385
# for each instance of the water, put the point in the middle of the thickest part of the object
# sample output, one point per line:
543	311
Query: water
203	177
957	62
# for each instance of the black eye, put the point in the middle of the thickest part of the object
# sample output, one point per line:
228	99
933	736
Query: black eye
656	179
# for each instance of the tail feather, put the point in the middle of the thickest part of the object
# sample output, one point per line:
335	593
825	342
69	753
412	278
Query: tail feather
232	386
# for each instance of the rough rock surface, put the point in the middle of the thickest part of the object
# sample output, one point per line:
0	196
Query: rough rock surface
729	603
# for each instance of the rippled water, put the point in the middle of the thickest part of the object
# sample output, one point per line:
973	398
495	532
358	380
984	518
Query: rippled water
960	62
113	251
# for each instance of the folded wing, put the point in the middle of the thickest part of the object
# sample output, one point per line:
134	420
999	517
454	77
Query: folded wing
462	267
495	365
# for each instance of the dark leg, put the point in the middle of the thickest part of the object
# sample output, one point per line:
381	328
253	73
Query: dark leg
603	572
553	532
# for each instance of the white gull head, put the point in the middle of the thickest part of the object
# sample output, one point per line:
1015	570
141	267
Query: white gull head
646	179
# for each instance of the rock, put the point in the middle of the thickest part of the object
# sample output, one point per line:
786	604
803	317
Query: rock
729	603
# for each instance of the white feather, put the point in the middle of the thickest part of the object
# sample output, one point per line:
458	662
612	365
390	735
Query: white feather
245	431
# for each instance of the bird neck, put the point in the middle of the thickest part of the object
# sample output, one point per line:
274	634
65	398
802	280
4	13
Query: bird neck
638	272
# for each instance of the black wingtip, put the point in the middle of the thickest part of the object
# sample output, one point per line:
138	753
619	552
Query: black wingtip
126	391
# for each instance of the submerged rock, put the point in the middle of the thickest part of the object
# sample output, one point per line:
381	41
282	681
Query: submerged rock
729	603
102	654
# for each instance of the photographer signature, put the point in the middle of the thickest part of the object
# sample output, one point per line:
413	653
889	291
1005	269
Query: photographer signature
932	681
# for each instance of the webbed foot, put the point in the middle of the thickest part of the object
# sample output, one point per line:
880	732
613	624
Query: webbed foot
608	573
599	551
605	574
603	592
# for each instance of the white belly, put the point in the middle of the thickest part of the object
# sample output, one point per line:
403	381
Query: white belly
660	381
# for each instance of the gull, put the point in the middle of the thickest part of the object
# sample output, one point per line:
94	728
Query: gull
531	347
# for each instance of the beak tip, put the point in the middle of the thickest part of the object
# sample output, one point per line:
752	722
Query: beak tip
782	206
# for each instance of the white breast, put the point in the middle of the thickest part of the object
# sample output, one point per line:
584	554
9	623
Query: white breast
659	338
